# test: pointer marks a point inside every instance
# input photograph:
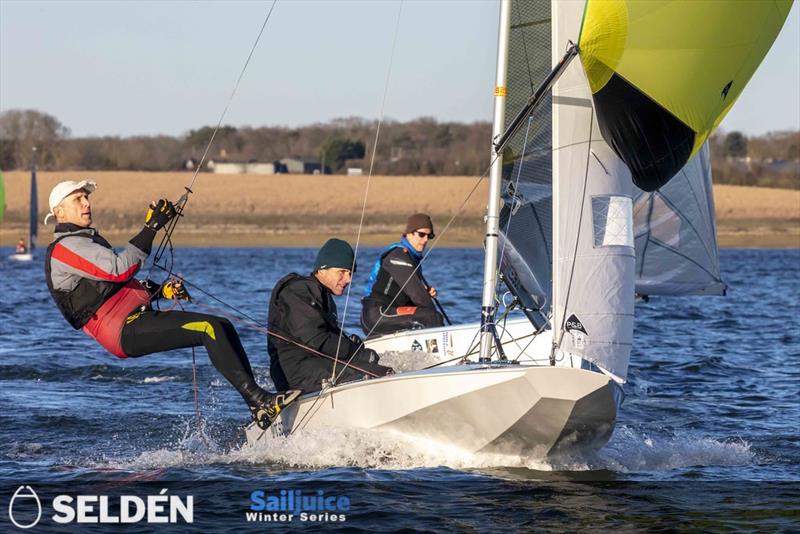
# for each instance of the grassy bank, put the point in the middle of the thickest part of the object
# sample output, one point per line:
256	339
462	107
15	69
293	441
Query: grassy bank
301	210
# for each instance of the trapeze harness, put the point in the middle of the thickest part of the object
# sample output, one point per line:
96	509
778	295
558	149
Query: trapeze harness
116	312
99	307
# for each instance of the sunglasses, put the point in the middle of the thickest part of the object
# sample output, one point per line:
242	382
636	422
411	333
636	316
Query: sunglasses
425	234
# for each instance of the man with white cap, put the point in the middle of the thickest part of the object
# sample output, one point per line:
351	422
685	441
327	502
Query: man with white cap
95	289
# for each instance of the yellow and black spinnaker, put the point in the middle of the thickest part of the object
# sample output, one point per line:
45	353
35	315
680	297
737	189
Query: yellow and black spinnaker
664	73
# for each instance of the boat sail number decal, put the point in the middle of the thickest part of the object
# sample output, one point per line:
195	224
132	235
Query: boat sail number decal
578	332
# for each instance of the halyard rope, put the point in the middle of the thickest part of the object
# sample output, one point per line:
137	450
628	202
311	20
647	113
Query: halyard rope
369	179
184	199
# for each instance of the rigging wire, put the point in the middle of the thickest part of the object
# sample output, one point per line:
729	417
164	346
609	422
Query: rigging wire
254	324
369	177
511	210
184	199
431	249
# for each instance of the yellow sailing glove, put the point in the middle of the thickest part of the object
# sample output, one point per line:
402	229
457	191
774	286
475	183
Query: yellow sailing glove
159	214
175	290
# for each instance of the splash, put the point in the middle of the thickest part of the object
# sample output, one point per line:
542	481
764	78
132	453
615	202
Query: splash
409	360
632	450
372	449
159	379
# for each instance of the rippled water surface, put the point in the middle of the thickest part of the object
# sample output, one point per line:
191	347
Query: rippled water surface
711	416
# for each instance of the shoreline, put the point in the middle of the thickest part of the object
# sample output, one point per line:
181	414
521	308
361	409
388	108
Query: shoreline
305	210
734	236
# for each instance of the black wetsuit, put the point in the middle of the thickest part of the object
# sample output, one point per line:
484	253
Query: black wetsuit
303	310
388	308
153	331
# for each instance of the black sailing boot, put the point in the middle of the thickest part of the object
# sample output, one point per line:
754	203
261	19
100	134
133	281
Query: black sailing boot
266	411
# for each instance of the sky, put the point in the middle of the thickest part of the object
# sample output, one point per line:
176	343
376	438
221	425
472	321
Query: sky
165	67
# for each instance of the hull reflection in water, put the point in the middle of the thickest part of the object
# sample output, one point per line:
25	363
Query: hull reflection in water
523	410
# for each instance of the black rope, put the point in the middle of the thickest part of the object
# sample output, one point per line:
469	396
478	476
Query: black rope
254	324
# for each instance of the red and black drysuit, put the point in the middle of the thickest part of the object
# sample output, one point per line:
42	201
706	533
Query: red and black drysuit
396	296
302	309
95	289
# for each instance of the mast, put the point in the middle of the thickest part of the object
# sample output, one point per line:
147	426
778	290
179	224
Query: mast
495	173
34	208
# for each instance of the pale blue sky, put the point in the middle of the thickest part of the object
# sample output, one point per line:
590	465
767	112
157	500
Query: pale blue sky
126	68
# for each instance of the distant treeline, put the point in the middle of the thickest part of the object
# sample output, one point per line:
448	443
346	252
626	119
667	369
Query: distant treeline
420	147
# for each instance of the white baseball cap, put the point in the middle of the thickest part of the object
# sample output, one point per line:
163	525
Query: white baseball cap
64	189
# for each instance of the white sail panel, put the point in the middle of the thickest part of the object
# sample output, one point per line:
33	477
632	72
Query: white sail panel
593	253
676	238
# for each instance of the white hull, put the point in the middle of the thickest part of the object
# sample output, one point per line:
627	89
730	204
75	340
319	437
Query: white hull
21	257
507	409
449	344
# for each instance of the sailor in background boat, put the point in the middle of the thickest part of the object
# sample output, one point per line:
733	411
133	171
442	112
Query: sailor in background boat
95	289
22	248
301	308
397	296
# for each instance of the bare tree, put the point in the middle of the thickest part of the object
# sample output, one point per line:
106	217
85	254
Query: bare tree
21	130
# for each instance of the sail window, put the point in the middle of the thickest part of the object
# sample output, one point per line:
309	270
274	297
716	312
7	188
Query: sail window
613	221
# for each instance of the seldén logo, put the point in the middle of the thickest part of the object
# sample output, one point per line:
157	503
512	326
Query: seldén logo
22	504
25	508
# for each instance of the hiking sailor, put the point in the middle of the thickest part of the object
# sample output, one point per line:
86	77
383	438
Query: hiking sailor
95	289
397	296
301	308
21	247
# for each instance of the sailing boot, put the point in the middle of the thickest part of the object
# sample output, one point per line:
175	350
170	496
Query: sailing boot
265	412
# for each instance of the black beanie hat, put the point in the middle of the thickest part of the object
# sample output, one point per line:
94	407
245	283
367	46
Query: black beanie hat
335	253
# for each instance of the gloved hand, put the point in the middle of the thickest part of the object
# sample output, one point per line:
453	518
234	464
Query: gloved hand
357	341
159	214
383	370
366	355
175	290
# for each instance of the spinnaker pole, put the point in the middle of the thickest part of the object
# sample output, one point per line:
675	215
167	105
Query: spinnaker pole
495	175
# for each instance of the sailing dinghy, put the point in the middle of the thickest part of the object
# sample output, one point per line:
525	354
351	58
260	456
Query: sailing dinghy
573	237
33	221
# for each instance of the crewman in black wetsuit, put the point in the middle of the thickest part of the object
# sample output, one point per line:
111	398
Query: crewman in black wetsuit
95	289
301	308
397	297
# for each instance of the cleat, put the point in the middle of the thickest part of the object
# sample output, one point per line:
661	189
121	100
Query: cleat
265	414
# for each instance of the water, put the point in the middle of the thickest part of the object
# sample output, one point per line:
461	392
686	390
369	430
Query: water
708	431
